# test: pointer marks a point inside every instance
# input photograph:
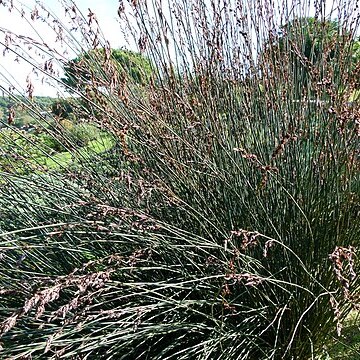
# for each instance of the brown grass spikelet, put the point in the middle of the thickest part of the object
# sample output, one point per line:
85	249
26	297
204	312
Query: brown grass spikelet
249	238
343	260
8	324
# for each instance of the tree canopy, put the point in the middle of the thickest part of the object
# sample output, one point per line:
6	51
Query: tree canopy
129	64
310	49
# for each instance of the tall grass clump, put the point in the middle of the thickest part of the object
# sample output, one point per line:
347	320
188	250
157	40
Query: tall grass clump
223	222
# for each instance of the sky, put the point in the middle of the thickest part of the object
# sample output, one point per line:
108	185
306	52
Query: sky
106	13
18	71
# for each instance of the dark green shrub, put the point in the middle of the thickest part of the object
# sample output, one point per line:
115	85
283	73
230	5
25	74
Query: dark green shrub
63	108
51	142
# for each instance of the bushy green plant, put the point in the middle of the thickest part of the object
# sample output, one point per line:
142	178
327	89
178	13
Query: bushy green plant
222	224
62	108
82	133
51	142
133	66
17	149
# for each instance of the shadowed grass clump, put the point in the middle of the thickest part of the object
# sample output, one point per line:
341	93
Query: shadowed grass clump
223	222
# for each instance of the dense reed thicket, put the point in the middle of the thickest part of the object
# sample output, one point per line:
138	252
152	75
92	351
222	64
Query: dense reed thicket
223	222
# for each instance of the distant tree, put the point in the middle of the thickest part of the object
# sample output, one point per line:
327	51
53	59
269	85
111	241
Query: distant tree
307	48
62	108
317	37
86	68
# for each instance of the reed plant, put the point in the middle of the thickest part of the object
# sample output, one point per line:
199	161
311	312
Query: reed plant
223	223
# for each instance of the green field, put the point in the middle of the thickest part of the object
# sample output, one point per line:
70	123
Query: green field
63	159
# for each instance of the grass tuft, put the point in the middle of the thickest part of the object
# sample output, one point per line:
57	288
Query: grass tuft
209	212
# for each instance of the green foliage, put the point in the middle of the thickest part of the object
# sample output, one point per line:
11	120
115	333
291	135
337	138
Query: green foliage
62	108
355	52
24	152
136	66
221	224
82	133
17	149
348	346
22	115
51	142
129	65
311	37
311	46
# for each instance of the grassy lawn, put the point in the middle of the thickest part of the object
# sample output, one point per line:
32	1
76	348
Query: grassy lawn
98	146
63	159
